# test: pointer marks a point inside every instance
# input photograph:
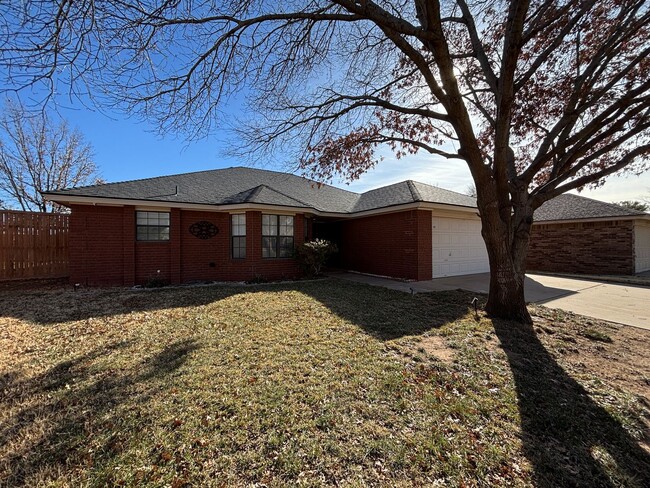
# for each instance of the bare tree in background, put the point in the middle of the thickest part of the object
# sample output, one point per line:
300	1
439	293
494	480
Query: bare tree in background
634	205
38	155
536	97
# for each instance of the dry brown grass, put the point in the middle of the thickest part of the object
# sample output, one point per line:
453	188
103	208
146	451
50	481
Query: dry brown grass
322	383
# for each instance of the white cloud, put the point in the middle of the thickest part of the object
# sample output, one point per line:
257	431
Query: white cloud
625	187
454	175
434	170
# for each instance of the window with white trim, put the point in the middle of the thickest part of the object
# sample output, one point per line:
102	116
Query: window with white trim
151	226
277	236
238	235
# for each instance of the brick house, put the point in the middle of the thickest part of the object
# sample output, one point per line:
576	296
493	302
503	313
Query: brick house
574	234
240	224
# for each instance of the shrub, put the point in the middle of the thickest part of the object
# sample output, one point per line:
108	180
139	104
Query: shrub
156	281
312	255
258	279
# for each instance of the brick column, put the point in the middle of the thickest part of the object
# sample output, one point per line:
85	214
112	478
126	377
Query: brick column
298	229
253	241
424	246
175	245
77	245
128	245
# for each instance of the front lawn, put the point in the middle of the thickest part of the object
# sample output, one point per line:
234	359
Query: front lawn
314	383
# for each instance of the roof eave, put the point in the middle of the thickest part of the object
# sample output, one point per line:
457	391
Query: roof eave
114	201
594	219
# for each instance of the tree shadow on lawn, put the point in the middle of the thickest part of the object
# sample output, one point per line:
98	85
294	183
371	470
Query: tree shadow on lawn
388	314
382	313
49	307
564	430
51	435
562	427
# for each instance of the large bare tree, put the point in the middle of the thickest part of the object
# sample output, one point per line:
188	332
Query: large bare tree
39	155
537	97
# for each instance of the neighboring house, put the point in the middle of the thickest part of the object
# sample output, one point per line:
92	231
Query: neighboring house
243	223
574	234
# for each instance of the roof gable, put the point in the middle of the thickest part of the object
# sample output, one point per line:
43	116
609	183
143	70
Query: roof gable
264	195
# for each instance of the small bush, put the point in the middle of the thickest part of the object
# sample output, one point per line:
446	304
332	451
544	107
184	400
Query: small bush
156	281
313	255
257	280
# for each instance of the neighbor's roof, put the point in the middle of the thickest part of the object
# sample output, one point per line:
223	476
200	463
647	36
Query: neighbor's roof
575	207
240	185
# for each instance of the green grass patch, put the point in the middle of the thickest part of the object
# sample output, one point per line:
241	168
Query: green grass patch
596	335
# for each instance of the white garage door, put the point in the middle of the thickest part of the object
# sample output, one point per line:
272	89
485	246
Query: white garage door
642	246
458	248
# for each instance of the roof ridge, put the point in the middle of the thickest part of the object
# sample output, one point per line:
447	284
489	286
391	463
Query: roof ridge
414	191
283	194
255	191
443	189
383	187
150	178
302	176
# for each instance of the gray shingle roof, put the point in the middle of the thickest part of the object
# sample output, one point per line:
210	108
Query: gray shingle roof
226	186
242	185
575	207
430	193
396	194
249	185
408	192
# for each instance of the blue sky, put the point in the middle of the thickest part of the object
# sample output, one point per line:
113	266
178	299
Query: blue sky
126	148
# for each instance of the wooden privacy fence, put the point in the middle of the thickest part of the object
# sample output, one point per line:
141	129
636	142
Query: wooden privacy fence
33	245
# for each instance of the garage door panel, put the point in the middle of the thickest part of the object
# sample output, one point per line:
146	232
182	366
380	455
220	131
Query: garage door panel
458	247
457	239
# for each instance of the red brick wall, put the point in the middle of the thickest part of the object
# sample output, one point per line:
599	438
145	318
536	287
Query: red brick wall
585	248
425	254
153	261
103	249
197	254
128	246
397	244
96	245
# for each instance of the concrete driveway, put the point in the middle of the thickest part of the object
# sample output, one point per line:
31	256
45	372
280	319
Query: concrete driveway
621	303
624	304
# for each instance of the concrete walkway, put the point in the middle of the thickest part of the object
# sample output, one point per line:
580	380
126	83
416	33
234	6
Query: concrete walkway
621	303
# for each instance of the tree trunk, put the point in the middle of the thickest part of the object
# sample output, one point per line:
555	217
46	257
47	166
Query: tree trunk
506	239
506	298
